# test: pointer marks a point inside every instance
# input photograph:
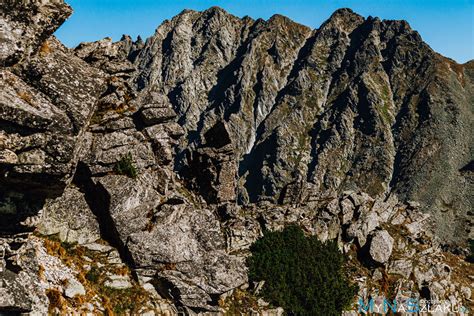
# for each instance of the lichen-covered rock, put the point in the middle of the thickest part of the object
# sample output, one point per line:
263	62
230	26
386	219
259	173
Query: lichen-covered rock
46	102
119	282
74	288
22	289
72	85
13	294
25	25
381	246
155	115
70	217
181	242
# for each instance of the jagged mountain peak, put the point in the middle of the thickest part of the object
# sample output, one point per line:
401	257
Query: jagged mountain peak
216	10
344	16
211	13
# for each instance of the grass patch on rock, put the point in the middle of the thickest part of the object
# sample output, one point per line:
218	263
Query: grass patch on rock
125	166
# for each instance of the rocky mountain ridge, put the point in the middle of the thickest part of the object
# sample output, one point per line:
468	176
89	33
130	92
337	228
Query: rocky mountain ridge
357	131
286	90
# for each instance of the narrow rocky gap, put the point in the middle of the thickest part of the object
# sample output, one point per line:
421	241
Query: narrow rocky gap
252	164
11	127
99	201
13	311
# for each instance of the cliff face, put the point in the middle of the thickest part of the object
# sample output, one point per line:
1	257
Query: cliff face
47	98
355	130
356	104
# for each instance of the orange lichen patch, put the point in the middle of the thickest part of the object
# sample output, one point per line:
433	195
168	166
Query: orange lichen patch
25	96
41	272
54	248
45	49
81	277
10	80
170	266
122	108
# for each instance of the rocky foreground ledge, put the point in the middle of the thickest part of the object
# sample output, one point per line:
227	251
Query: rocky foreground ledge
135	175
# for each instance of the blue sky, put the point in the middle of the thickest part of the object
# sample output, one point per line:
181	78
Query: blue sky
446	25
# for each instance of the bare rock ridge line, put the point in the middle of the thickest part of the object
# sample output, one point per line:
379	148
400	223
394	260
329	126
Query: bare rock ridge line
150	167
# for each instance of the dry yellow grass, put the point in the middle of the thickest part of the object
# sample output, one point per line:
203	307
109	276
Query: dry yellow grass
41	272
114	302
56	301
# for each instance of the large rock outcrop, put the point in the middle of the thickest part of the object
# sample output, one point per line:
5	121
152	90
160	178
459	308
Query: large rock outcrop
48	96
21	34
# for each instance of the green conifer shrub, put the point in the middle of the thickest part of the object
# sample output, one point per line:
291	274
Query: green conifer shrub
126	167
301	274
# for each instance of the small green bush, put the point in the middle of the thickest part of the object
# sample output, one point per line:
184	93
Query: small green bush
93	275
301	274
125	166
